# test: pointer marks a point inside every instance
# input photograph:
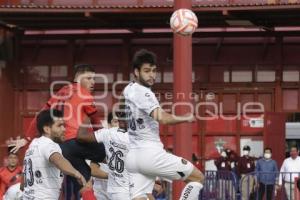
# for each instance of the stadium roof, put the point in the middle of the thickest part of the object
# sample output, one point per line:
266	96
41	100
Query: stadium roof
136	15
127	4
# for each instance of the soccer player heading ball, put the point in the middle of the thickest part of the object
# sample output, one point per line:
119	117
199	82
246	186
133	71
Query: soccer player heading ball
147	158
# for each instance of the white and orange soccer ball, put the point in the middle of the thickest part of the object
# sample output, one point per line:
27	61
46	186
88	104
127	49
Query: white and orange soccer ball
184	22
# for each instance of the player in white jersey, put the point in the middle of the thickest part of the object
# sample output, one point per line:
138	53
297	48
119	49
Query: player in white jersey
147	158
100	184
44	164
116	141
13	193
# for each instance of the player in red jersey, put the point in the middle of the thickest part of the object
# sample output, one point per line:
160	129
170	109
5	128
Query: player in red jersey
76	102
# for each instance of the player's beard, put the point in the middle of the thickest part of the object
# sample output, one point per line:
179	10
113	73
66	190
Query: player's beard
58	139
144	82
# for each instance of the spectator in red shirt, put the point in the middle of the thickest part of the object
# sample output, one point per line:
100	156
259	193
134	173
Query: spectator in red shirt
10	174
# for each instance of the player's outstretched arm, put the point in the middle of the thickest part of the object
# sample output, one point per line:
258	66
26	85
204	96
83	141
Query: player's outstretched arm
65	166
29	135
166	118
17	144
82	133
97	172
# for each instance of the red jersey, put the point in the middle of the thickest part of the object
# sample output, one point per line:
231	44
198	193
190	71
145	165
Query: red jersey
9	178
76	103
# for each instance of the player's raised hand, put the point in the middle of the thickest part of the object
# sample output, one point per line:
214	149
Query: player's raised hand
16	144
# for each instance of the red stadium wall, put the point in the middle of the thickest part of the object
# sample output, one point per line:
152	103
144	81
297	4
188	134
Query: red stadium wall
42	62
7	108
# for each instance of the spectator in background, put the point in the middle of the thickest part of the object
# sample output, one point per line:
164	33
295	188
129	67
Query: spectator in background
233	158
246	165
225	177
10	174
222	163
289	171
266	171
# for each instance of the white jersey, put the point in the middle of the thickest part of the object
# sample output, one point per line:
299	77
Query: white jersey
13	193
116	143
42	179
143	130
100	185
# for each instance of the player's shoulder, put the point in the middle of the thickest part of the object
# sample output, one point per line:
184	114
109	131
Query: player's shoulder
102	131
128	87
46	142
112	132
139	91
64	93
122	134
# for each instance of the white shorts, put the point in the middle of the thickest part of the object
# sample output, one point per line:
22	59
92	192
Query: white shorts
101	195
119	196
147	164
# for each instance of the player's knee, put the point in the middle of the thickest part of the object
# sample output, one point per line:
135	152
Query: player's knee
195	176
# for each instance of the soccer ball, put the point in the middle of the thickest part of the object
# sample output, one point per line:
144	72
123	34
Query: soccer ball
184	22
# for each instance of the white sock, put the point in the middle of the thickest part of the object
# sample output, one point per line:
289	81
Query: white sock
191	191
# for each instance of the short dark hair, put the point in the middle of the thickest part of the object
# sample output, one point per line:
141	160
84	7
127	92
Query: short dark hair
81	68
143	56
46	118
268	148
110	117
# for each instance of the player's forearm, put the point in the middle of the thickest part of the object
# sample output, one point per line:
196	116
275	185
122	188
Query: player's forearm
170	119
66	167
84	136
96	122
82	133
97	172
63	164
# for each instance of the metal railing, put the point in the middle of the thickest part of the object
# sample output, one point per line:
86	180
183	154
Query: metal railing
226	185
219	185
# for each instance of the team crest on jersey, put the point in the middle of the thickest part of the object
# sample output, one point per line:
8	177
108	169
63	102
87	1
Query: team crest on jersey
140	122
184	161
38	174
